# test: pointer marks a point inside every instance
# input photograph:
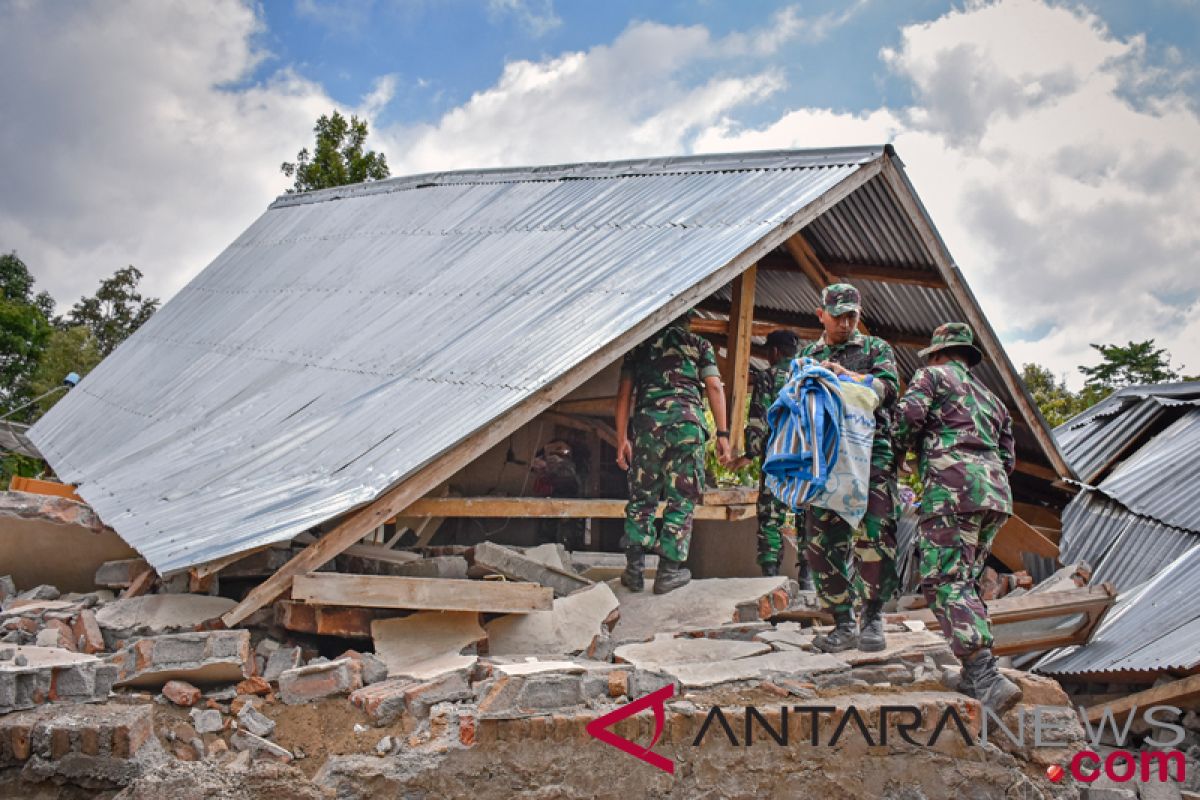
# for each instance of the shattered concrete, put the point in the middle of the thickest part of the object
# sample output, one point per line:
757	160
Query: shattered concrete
200	658
404	642
706	603
152	615
570	627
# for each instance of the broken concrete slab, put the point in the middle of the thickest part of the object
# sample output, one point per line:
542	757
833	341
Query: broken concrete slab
35	532
666	649
787	634
255	722
791	663
36	675
305	684
284	658
520	567
156	614
119	574
436	567
607	566
406	641
201	658
568	628
437	666
207	720
705	603
513	696
550	555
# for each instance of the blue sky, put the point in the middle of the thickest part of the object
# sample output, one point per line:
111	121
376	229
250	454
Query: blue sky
1052	140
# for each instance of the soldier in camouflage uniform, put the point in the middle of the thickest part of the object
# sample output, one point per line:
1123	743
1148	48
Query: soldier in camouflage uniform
962	436
664	381
849	564
772	513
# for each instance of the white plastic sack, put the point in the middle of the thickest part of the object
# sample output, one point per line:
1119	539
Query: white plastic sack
846	488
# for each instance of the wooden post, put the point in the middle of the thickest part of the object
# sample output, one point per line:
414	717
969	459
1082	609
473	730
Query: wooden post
737	380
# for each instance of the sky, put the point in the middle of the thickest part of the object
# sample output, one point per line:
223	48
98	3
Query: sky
1054	143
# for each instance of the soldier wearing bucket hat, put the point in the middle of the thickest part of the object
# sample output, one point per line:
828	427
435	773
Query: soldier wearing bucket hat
849	564
962	436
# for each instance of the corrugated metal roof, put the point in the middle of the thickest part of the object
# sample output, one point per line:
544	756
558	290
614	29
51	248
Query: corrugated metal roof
1153	628
1160	479
336	347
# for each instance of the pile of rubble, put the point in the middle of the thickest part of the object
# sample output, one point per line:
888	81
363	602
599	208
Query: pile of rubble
484	670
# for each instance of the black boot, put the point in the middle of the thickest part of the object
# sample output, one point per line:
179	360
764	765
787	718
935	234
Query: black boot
988	685
671	575
870	635
843	637
635	565
770	569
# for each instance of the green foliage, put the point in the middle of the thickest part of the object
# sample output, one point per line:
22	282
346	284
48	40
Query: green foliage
24	330
1135	363
747	475
338	157
16	464
1057	403
115	311
72	349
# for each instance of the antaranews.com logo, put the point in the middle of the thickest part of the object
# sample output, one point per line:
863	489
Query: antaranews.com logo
907	723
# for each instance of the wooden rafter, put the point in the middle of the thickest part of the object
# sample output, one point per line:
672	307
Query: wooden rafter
394	500
813	269
886	274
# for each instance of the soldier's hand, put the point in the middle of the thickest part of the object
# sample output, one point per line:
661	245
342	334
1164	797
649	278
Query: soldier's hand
724	451
624	453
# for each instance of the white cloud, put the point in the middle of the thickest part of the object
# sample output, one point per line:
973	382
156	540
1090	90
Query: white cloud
120	148
537	17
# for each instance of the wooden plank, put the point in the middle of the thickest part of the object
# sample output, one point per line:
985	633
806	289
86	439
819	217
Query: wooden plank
1025	537
536	508
886	274
426	529
381	553
213	567
595	406
737	381
1038	516
396	499
37	486
731	496
760	328
1180	693
1036	470
141	583
985	336
432	594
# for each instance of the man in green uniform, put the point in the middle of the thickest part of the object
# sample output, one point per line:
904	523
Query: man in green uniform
962	436
664	380
772	513
846	562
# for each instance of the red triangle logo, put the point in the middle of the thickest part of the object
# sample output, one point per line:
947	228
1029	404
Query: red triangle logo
599	728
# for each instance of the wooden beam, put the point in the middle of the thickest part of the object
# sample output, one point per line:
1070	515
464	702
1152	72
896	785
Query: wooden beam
1180	693
441	467
737	383
1016	537
539	508
213	567
432	594
794	322
984	335
1036	470
596	407
814	270
886	274
1038	516
760	328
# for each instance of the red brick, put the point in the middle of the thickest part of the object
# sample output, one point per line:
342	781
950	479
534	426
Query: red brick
618	683
466	730
60	742
254	685
129	738
143	651
20	741
87	633
181	693
89	741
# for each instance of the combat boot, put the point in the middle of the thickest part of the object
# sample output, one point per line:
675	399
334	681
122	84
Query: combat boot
870	635
635	567
804	577
843	637
671	575
770	569
990	687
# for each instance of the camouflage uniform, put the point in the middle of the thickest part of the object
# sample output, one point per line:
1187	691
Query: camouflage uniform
772	513
667	431
962	435
850	564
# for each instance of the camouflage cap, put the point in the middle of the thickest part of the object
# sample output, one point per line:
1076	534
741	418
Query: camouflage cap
840	298
784	340
954	334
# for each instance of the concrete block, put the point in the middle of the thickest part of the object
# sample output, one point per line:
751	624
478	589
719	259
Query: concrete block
119	574
570	627
383	702
404	642
373	669
153	615
207	720
284	658
255	722
435	567
200	658
42	592
305	684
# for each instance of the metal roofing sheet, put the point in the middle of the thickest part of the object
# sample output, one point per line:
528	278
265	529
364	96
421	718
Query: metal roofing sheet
1091	446
1154	627
336	347
1160	479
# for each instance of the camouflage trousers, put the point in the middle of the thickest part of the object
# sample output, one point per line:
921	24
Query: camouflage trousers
772	515
952	550
849	565
668	465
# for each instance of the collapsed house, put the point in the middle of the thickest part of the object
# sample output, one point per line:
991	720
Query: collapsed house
329	439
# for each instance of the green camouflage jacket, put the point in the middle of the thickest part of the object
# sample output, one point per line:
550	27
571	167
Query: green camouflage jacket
868	355
765	385
962	435
668	372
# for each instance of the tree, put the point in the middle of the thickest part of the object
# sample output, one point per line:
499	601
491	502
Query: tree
1135	363
115	311
1056	402
71	349
338	157
24	330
